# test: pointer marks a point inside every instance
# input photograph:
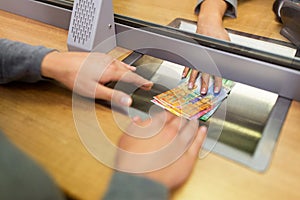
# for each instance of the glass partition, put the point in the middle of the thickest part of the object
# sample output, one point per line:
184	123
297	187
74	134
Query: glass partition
255	30
255	27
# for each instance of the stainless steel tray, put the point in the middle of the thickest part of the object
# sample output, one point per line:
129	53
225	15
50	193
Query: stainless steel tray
251	124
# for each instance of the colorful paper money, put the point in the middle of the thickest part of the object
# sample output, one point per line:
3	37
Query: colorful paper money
190	103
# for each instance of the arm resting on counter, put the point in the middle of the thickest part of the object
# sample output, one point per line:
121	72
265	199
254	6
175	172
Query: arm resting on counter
19	61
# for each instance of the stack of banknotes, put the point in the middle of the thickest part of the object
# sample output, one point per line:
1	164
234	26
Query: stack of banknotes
190	103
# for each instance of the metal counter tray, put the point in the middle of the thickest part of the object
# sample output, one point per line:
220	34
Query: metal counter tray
250	119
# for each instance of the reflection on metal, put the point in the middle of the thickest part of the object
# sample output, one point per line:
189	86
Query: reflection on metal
61	3
238	136
253	119
248	109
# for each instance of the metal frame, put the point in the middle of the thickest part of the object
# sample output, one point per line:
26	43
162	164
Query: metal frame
97	18
39	11
272	77
268	76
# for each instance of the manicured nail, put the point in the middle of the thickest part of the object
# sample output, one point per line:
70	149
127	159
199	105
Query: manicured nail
190	86
203	91
126	101
133	68
183	75
217	90
147	85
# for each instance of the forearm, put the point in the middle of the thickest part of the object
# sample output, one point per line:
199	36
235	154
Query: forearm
20	62
210	19
231	10
55	65
212	11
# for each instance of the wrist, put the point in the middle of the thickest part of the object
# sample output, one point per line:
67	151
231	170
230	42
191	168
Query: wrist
49	64
213	9
211	15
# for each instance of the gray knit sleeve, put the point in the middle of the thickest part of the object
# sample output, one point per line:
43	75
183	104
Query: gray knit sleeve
130	187
20	62
231	10
21	177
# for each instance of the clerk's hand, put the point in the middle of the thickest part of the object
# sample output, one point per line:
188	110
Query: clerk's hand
209	23
86	73
215	30
204	80
185	134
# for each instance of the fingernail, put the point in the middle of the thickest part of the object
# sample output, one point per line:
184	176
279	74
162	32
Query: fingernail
126	101
203	91
190	86
148	85
183	75
217	90
204	128
136	118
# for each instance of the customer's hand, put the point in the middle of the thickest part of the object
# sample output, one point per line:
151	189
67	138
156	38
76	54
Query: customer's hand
86	74
210	23
185	136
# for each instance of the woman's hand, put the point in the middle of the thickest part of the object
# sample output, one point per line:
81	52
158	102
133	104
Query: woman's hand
87	73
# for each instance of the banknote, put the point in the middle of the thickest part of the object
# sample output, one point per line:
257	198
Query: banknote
190	103
227	86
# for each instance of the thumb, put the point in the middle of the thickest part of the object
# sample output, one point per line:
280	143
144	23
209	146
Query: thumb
116	96
197	144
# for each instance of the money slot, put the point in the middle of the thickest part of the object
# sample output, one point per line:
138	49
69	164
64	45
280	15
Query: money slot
252	120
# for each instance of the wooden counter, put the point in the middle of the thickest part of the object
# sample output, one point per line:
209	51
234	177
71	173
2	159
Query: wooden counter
38	118
254	16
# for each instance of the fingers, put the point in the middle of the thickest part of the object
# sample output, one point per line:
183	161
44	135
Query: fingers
176	125
124	73
171	117
198	141
163	125
193	135
204	83
185	72
136	119
188	131
139	81
166	117
115	96
193	78
218	84
131	68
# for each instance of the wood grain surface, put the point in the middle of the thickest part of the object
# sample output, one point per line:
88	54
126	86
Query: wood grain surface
38	117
